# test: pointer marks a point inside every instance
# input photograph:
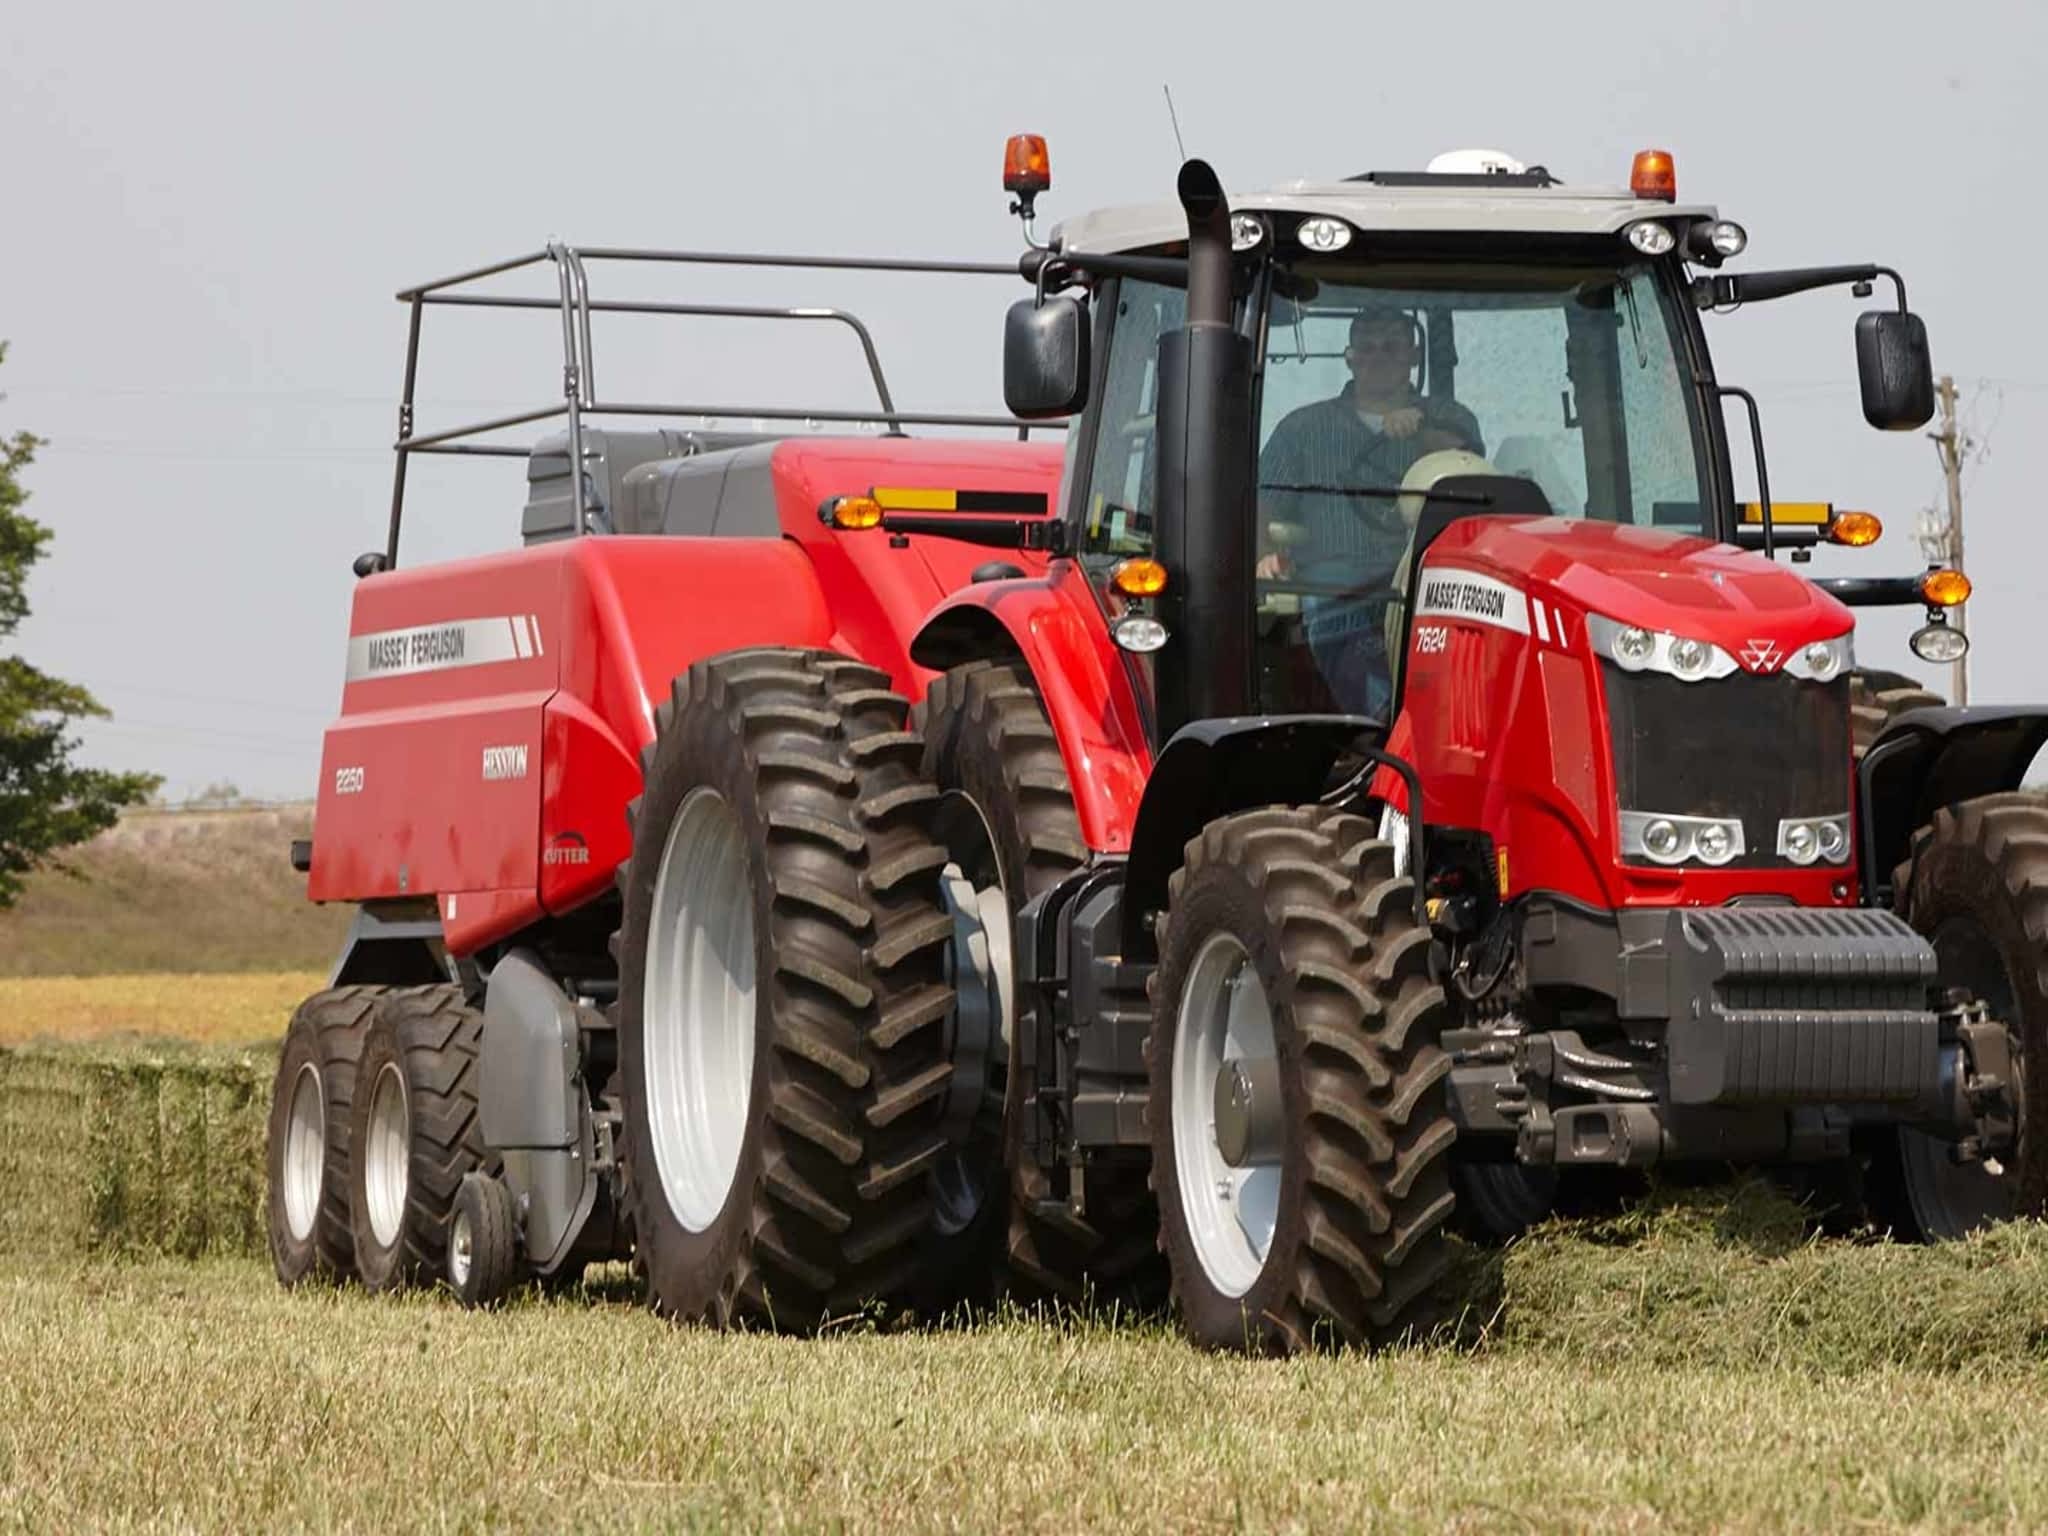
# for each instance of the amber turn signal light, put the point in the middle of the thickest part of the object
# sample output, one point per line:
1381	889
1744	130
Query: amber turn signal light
852	512
1855	529
1945	588
1654	176
1027	167
1141	577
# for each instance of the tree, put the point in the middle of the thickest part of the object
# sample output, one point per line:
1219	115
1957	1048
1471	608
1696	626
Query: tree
47	802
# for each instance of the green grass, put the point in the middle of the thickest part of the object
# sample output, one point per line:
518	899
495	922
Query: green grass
201	1396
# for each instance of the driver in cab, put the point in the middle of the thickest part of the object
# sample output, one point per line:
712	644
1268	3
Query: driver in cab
1322	532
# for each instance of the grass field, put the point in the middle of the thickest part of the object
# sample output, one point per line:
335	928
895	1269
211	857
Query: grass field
200	1396
1700	1362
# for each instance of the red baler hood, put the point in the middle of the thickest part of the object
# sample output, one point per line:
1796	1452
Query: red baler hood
1675	582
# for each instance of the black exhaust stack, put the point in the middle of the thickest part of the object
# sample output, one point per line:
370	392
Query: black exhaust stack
1205	503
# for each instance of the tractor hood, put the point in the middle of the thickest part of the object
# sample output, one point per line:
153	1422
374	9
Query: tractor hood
1680	584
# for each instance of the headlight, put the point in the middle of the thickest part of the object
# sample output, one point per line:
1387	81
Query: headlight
1823	660
1689	658
1636	649
1136	632
1805	839
1323	233
1727	237
1940	642
1664	839
1650	237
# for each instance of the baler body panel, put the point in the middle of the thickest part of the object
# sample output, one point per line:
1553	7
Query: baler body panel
494	709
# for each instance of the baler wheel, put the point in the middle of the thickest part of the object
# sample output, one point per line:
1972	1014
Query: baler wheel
783	995
990	746
415	1133
1976	884
483	1242
1300	1126
307	1154
1877	698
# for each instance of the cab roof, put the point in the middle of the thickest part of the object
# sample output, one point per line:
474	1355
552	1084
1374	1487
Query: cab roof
1409	203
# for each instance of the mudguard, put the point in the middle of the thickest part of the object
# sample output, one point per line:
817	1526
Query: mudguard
1053	625
1214	767
1928	758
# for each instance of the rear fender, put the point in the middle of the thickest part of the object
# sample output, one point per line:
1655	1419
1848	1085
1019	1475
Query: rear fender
1053	626
1928	758
1212	768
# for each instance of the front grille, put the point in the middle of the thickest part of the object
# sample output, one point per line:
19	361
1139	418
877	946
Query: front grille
1758	749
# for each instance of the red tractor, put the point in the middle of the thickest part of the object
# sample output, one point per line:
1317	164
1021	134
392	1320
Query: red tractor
1378	772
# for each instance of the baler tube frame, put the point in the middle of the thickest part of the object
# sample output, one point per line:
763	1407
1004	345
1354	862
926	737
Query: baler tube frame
579	388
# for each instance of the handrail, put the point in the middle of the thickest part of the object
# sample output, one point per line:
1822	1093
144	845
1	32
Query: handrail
579	377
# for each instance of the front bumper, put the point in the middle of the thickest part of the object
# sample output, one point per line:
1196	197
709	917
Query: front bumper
1749	1032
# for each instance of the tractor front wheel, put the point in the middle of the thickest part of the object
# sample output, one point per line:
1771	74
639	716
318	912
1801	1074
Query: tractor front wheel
1300	1127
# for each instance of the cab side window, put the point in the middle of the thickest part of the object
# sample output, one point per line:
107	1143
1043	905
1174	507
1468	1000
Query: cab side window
1123	479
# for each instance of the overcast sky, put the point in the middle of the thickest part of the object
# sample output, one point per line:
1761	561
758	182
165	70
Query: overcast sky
209	206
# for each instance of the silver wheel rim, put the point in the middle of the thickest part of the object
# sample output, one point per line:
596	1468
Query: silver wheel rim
1224	1016
387	1154
698	1008
461	1248
305	1152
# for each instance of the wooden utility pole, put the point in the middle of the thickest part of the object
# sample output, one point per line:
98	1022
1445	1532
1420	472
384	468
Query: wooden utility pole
1952	446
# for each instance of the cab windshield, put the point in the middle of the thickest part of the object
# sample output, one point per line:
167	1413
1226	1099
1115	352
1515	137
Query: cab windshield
1380	378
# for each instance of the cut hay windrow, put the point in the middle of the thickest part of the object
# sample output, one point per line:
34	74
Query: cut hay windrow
138	1152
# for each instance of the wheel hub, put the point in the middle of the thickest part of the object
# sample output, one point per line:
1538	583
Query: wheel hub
461	1249
1247	1109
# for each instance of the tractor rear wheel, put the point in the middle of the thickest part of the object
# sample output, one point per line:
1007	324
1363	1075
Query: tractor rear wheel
783	994
1008	819
307	1154
1976	885
414	1133
1300	1126
1876	698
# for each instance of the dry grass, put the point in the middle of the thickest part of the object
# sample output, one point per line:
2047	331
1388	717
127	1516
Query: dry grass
1698	1362
209	891
224	1010
202	1397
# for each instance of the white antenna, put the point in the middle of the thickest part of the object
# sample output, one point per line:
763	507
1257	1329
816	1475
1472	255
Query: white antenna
1174	118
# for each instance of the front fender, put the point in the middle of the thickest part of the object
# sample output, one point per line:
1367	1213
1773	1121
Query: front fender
1053	626
1214	767
1928	758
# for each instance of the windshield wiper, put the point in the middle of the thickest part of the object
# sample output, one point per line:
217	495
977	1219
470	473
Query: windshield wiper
1463	498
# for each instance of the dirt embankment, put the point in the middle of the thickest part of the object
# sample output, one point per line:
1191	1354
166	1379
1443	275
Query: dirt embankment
176	891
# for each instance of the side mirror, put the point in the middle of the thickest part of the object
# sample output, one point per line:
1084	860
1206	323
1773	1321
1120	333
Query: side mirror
1893	368
1045	357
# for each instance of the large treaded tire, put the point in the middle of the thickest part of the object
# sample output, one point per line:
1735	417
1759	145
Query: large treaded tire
989	740
829	1205
1876	698
429	1037
325	1034
1976	884
1358	1249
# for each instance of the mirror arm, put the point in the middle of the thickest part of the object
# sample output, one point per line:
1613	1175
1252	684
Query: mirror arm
1757	287
1051	271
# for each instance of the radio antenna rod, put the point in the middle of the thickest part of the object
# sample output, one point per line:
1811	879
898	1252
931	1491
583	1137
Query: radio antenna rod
1174	118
